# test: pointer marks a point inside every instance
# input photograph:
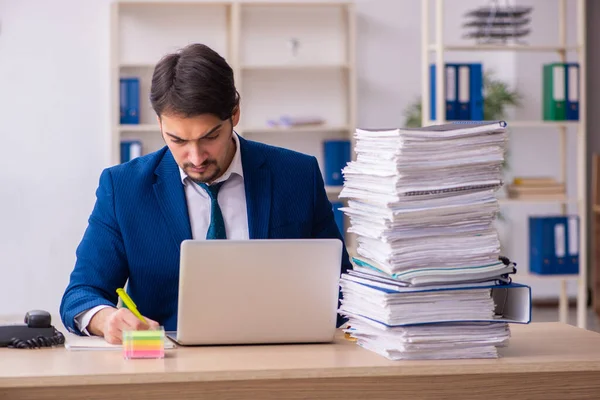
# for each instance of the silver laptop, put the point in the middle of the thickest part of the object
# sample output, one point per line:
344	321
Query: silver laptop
258	291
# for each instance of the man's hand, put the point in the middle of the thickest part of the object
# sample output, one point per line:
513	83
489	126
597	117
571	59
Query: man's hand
111	322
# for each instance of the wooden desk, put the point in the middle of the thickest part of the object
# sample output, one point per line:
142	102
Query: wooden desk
543	361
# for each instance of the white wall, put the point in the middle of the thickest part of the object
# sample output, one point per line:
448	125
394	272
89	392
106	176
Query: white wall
54	129
54	90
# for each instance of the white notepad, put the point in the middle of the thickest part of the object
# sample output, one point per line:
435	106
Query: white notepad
88	343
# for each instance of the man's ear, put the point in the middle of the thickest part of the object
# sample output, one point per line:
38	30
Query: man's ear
160	128
235	117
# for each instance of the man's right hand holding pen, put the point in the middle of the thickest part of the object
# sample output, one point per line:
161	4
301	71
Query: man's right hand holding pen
111	322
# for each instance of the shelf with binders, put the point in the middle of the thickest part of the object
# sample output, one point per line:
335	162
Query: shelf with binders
464	94
568	132
280	108
137	123
134	24
289	59
561	91
134	89
504	47
296	77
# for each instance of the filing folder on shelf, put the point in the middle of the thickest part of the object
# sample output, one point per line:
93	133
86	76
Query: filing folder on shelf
554	92
123	102
129	100
554	245
475	92
464	91
130	149
451	92
572	91
337	155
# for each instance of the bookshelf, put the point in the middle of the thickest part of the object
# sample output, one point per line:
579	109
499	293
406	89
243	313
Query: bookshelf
507	47
434	43
289	58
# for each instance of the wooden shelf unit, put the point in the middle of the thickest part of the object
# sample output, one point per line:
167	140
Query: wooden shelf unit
255	37
434	43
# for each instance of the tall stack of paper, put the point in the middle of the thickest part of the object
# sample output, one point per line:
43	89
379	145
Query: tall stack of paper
429	281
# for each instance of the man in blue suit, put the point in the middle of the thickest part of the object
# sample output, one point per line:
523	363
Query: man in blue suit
206	183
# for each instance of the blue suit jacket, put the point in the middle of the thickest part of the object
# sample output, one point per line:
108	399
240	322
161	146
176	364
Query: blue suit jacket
140	219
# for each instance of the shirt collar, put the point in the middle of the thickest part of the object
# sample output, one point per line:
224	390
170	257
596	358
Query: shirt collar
235	167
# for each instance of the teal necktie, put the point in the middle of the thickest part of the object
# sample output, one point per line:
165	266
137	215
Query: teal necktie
216	229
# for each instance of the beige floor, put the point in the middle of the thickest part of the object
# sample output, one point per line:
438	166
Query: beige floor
549	314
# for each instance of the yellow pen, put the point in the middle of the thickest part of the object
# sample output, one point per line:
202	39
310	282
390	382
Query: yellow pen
130	304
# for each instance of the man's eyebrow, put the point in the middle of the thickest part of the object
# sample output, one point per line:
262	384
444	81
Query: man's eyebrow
201	137
174	136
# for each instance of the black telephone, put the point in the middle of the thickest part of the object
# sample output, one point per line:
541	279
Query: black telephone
37	332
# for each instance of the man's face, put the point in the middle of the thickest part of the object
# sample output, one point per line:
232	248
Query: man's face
202	146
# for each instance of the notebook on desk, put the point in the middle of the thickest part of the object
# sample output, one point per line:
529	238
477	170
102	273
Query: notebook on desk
87	343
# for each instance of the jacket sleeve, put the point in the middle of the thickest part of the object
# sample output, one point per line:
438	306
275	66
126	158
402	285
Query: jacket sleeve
101	263
324	225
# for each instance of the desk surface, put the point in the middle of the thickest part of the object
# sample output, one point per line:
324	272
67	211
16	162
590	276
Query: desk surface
553	353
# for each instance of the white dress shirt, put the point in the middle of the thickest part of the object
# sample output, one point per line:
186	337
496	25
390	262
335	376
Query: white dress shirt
232	201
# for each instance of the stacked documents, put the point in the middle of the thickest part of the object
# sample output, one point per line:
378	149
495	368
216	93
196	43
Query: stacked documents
426	282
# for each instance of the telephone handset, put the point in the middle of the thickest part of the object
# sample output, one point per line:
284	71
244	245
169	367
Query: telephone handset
36	332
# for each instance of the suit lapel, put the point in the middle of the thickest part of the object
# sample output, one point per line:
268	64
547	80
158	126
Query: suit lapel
257	183
170	194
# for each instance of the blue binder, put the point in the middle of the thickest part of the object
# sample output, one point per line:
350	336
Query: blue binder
129	99
451	92
338	215
464	91
337	155
512	302
554	245
123	102
130	149
572	91
470	92
476	92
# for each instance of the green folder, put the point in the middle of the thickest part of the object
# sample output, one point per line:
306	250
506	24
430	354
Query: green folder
554	92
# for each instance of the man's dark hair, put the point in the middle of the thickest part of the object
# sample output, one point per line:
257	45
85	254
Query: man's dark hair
193	81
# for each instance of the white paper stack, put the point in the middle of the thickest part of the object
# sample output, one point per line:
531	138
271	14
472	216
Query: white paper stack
429	341
422	204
